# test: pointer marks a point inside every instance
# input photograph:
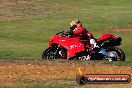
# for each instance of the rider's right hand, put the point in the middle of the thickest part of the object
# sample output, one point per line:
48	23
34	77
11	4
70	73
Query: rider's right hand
69	32
66	33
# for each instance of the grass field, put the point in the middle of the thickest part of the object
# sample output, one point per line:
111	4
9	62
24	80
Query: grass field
26	27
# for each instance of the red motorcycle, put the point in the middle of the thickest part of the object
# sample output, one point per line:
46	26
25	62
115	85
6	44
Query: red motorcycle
63	46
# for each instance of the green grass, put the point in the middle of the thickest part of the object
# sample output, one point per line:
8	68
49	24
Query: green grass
26	28
54	83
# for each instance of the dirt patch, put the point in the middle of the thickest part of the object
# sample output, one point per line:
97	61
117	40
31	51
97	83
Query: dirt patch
122	30
10	72
6	4
24	2
9	13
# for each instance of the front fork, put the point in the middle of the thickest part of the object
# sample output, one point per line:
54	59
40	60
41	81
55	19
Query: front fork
56	52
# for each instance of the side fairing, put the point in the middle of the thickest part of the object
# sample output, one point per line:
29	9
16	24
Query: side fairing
72	45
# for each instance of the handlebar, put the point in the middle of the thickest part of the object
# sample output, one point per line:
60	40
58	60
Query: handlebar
60	33
63	33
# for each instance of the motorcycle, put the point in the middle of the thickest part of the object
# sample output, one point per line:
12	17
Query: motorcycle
65	46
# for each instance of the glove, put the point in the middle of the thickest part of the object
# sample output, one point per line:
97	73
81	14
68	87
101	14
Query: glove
69	33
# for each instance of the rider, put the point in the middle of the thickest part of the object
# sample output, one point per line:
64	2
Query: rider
77	30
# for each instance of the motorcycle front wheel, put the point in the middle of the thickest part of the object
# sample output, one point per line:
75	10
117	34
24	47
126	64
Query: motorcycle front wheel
51	53
48	53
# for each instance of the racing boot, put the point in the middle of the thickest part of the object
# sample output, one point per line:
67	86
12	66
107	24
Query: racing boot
108	54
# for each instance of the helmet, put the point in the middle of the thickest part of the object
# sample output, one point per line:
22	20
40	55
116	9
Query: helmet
74	24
